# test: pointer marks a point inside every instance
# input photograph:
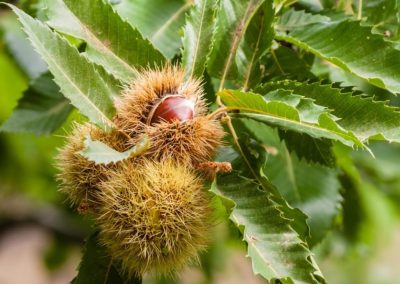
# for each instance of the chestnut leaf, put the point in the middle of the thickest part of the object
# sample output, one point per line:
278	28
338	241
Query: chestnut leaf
97	266
243	34
100	153
41	110
347	44
197	38
160	21
276	251
366	118
78	79
291	112
112	43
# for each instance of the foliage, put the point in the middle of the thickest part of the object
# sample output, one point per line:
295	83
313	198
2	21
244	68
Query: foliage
79	80
295	82
111	42
100	153
96	259
42	109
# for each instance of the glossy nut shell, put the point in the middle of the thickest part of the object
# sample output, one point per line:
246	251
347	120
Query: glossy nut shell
172	108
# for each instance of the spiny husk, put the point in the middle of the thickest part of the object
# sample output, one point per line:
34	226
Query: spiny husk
155	216
193	141
135	104
78	176
152	211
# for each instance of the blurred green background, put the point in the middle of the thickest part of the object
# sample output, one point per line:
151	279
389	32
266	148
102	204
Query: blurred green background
41	237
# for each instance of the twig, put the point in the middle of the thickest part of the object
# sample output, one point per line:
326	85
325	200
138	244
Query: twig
360	6
236	141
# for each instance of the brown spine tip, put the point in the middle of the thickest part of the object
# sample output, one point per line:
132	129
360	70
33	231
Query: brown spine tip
210	168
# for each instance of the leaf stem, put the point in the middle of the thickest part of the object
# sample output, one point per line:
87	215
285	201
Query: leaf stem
217	112
236	141
277	62
360	6
236	41
219	102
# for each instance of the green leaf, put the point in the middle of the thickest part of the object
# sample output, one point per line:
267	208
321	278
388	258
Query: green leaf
20	48
111	42
249	162
273	246
383	170
41	110
312	188
97	267
243	34
313	150
351	47
257	39
366	208
288	112
383	15
313	5
347	80
292	19
9	72
197	39
284	63
114	85
160	21
100	153
366	118
77	78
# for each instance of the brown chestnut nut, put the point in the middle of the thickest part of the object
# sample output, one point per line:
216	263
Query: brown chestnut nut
173	108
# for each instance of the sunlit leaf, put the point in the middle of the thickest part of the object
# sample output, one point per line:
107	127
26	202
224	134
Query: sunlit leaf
77	78
197	39
273	246
366	118
288	112
243	34
100	153
111	42
350	46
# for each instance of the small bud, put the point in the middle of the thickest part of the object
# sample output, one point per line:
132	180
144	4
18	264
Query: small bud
173	108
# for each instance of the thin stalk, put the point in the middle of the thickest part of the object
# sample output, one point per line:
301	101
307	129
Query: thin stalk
360	6
108	272
236	141
277	62
217	112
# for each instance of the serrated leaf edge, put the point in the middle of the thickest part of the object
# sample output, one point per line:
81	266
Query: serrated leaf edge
105	119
